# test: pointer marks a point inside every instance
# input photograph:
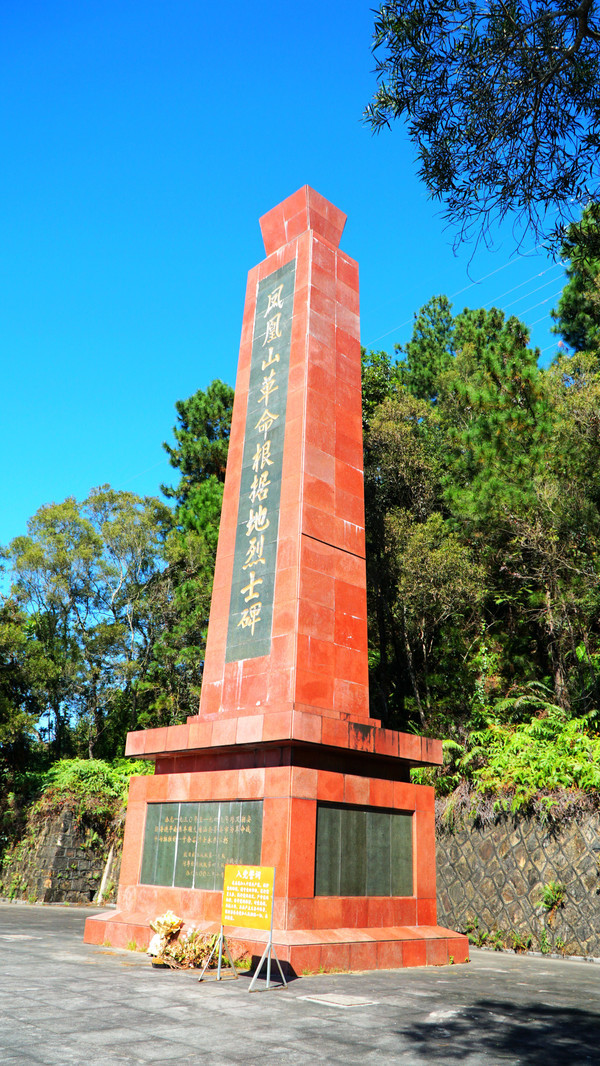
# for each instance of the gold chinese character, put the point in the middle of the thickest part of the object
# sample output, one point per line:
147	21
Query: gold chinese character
272	359
250	616
274	299
265	422
273	330
255	552
262	456
258	520
259	489
268	386
250	587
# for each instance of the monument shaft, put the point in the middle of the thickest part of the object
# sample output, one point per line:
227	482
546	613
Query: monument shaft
297	430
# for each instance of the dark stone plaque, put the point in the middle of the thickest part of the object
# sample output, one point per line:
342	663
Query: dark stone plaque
251	605
187	845
364	852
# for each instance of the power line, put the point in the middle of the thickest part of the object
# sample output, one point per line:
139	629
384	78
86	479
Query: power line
466	288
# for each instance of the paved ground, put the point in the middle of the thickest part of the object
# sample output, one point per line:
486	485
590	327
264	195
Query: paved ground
64	1002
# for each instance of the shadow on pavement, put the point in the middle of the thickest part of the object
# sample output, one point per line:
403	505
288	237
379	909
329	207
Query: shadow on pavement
532	1035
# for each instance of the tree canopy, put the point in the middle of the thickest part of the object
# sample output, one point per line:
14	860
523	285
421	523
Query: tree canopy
502	101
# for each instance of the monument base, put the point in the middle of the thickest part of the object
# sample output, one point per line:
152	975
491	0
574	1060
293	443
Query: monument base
351	837
307	951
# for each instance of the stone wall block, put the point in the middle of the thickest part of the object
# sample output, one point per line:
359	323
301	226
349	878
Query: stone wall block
496	874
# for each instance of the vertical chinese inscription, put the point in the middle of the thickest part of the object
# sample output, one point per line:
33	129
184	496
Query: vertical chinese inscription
252	589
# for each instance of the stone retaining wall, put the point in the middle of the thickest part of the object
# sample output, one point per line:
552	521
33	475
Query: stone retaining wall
59	863
493	878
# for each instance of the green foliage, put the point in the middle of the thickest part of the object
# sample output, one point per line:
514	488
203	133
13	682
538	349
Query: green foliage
430	350
93	790
501	103
545	946
553	896
520	942
192	950
202	439
576	318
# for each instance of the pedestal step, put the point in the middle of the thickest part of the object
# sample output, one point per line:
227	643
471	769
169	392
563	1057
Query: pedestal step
308	950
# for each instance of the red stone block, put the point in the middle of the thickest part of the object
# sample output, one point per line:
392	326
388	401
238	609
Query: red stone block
347	449
324	257
250	728
315	654
278	781
404	795
350	698
361	736
281	688
328	912
351	665
409	746
426	912
318	493
350	508
389	955
304	784
349	478
178	788
225	784
348	297
381	793
404	911
305	958
224	732
287	552
414	953
302	832
251	783
314	620
356	789
347	270
177	737
321	328
307	727
157	788
330	787
134	744
318	588
334	732
315	689
319	464
284	619
348	601
363	956
437	952
335	957
275	831
324	281
458	948
425	798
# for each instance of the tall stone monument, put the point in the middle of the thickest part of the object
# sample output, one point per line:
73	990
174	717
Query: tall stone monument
283	766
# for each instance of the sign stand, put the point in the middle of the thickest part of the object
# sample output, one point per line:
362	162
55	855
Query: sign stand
220	944
268	952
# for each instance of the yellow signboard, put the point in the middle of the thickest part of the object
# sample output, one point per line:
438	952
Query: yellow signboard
248	896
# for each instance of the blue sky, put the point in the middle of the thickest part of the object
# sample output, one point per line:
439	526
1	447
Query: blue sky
140	144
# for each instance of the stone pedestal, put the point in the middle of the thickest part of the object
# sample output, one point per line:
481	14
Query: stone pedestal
283	760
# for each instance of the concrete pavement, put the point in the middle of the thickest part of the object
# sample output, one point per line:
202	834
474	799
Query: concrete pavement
63	1002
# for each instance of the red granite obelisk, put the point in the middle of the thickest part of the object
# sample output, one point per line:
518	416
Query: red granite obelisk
284	722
